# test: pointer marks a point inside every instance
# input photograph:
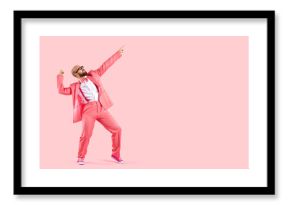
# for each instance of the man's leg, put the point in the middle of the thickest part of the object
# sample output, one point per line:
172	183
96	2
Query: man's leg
88	122
107	120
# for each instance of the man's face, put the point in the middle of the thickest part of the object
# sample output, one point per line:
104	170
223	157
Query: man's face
81	72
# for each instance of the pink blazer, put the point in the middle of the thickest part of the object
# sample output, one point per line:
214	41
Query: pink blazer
74	89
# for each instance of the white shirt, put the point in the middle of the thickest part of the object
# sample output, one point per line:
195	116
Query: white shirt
89	90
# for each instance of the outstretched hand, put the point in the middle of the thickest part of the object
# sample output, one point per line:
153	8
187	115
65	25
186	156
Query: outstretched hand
121	50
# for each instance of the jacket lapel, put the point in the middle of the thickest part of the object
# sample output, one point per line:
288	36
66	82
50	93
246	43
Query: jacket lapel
96	82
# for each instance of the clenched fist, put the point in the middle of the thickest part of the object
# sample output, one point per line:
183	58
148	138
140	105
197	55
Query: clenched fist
61	72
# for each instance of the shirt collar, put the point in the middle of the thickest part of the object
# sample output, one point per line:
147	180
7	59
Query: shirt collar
82	80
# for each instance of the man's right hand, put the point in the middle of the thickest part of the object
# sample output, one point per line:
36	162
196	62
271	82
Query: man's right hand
61	72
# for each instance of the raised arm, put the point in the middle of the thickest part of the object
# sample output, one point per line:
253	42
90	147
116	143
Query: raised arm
60	87
104	67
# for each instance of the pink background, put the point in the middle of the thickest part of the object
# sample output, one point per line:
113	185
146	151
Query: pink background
182	102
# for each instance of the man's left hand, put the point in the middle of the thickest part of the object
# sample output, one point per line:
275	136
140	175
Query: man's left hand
121	50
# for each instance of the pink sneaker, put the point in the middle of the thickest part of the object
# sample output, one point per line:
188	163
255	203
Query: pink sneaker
118	160
81	161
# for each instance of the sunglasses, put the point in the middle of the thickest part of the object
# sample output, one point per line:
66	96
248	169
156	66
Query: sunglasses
81	67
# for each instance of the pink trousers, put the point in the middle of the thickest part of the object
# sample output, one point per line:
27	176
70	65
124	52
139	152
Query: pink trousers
94	111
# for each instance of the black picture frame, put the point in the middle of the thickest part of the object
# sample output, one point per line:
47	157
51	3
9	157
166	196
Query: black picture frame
267	190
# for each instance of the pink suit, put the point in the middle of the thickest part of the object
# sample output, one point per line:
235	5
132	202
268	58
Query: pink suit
89	112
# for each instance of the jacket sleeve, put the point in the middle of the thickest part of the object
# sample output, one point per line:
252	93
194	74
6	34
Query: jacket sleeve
61	89
104	67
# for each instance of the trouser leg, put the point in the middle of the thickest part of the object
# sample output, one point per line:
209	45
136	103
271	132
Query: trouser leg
107	120
88	122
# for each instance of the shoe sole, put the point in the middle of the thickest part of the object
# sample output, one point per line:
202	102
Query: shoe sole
116	161
81	163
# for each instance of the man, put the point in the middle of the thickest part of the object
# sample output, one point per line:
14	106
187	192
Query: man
90	103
